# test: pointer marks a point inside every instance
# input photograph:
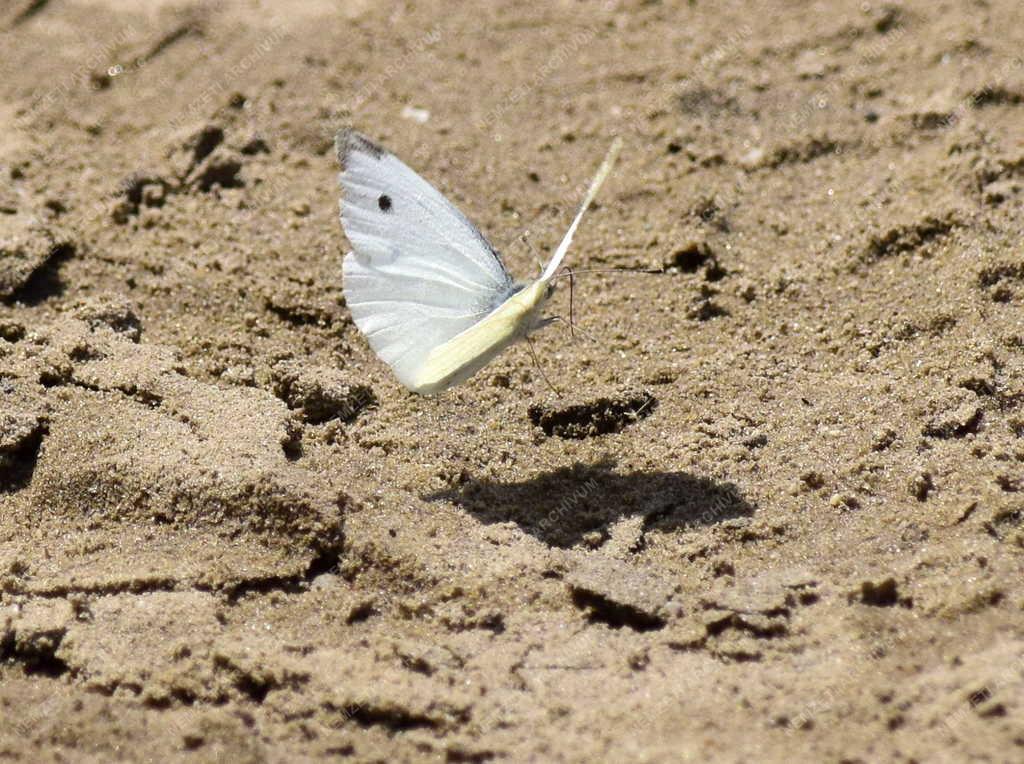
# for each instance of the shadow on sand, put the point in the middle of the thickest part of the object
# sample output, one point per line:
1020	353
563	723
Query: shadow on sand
562	506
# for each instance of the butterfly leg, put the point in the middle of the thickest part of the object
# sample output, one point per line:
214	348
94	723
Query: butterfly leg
523	238
586	335
536	362
572	285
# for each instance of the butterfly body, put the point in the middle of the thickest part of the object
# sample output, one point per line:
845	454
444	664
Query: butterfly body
465	354
423	285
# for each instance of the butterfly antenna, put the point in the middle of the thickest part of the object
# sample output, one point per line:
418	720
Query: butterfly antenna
610	270
536	362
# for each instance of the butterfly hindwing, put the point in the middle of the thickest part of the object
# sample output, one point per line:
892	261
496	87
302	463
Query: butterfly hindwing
420	273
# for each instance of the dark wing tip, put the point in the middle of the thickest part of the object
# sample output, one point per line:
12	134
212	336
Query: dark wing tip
348	141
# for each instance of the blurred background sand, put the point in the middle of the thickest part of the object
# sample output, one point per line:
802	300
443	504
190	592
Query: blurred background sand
776	516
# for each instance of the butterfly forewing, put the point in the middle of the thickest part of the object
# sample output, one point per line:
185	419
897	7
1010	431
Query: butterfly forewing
419	273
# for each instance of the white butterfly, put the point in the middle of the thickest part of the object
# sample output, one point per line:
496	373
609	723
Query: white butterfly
422	283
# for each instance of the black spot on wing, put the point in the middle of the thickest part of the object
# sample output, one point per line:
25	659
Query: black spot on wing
348	141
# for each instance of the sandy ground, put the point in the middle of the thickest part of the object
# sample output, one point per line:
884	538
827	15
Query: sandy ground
776	514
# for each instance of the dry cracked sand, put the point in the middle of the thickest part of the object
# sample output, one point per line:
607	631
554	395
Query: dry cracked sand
776	515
